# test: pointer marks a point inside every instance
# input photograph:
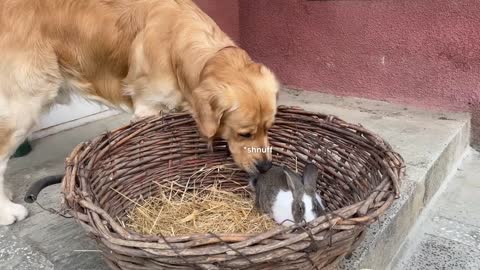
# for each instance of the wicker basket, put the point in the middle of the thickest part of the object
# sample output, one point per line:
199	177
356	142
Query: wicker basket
359	179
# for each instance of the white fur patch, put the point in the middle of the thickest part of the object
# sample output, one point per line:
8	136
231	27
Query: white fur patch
9	212
282	208
309	213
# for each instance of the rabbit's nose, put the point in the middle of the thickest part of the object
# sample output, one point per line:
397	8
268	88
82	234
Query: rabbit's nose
263	166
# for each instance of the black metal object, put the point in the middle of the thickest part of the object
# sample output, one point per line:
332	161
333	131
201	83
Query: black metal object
38	186
24	149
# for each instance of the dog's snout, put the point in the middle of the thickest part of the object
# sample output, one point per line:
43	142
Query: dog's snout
263	166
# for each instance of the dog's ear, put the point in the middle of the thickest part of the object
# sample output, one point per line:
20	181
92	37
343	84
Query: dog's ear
207	109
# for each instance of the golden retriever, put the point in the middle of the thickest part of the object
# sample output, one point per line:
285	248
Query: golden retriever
144	56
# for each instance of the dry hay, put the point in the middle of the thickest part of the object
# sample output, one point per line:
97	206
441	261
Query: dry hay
198	208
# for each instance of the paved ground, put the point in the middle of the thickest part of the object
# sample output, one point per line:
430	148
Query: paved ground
448	237
47	241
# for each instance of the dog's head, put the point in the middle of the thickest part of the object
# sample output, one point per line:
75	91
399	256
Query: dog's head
237	101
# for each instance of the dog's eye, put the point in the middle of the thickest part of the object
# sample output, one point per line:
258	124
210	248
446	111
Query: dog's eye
246	135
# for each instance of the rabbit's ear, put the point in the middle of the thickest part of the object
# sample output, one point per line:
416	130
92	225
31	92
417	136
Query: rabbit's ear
310	175
290	175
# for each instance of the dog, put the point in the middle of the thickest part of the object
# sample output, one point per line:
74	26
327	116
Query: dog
143	56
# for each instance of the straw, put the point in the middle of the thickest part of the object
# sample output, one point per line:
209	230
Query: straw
198	208
175	212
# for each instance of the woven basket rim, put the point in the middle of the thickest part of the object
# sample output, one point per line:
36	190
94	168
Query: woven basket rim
82	205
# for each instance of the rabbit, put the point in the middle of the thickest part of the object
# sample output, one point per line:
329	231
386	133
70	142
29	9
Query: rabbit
286	197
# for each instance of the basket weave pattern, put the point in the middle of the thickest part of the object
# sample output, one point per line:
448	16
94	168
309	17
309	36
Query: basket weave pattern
359	177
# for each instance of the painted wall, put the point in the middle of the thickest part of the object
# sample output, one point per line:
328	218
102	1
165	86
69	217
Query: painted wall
421	52
225	13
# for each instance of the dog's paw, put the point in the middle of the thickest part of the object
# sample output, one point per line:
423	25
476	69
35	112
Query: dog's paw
11	212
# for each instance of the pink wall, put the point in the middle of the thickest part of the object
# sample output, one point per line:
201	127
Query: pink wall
225	13
420	52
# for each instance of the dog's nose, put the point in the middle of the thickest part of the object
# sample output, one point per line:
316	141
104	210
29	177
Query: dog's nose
263	166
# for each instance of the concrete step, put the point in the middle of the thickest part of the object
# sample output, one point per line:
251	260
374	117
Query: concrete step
447	235
431	143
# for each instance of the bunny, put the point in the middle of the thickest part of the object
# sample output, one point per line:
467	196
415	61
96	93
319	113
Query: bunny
287	197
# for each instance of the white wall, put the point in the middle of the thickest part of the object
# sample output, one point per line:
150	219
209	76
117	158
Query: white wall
62	117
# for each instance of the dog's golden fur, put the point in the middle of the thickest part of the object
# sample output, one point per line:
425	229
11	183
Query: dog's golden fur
140	55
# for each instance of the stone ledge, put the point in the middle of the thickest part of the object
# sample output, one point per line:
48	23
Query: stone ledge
432	144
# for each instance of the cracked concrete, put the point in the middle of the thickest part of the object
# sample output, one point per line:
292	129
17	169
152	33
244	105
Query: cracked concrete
16	253
448	234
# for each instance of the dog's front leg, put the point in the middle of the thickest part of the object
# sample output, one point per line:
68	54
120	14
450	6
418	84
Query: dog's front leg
9	211
13	131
